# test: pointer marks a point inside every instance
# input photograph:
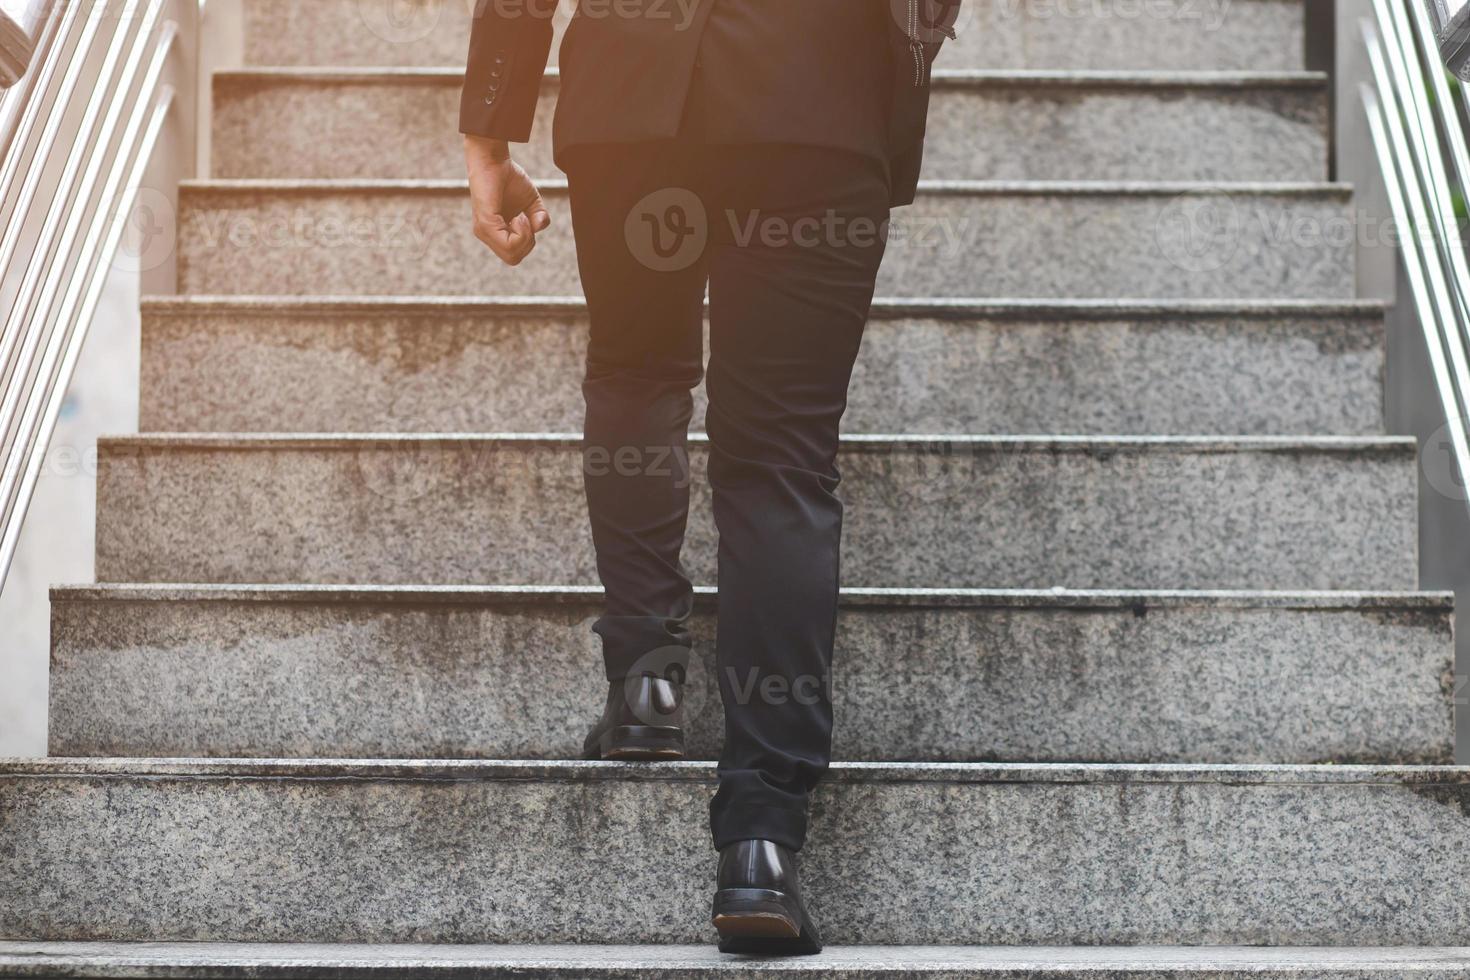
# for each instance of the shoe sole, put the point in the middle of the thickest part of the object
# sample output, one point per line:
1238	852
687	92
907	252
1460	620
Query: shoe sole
639	743
756	913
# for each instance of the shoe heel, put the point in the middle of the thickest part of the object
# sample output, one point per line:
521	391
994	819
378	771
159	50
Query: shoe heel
756	913
642	743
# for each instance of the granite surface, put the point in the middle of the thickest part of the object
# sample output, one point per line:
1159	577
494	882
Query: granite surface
1138	601
360	32
1257	513
960	239
1069	127
1039	676
982	125
266	961
347	366
1265	35
277	851
391	850
1191	35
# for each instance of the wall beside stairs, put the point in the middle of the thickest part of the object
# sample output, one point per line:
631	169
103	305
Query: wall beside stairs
1411	404
58	542
1444	522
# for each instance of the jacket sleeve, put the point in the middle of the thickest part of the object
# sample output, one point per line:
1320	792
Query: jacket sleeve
510	42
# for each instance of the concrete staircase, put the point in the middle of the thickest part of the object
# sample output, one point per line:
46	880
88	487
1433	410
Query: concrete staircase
1133	676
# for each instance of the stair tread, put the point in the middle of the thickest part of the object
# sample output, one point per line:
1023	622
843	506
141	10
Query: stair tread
1067	676
943	77
580	771
1174	35
500	851
266	960
960	238
924	511
977	598
976	187
883	307
1099	125
877	443
348	364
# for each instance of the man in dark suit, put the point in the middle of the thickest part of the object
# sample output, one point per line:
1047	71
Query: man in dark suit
753	147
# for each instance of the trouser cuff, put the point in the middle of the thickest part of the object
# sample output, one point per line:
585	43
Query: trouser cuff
671	662
776	824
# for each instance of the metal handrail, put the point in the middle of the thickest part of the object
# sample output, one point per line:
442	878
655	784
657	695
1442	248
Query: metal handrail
1415	126
86	121
22	22
19	95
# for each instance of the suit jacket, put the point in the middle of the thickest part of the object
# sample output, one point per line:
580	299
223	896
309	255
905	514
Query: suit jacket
847	74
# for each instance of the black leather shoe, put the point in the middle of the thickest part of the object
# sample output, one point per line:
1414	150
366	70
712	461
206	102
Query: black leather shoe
758	908
643	720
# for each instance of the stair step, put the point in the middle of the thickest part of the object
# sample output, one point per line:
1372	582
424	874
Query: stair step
1266	35
257	671
1263	513
577	852
286	364
303	961
334	123
961	239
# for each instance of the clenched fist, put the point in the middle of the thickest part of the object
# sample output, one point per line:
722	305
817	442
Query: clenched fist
508	207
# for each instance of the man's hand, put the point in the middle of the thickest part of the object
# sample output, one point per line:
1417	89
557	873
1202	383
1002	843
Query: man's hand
508	208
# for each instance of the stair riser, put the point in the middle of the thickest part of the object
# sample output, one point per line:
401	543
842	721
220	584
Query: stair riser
406	679
586	859
1266	35
490	512
367	241
228	370
1013	131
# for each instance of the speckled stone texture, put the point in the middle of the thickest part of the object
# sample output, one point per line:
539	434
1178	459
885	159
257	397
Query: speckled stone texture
597	852
1168	117
1086	513
1265	35
1121	677
300	961
1041	239
361	32
982	126
476	366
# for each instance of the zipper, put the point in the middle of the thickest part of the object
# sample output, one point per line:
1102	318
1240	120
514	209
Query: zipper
916	43
916	46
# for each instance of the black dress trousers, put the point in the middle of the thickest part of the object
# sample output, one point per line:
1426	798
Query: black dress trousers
788	240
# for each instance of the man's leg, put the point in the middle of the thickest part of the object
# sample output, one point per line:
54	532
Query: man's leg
645	356
796	241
